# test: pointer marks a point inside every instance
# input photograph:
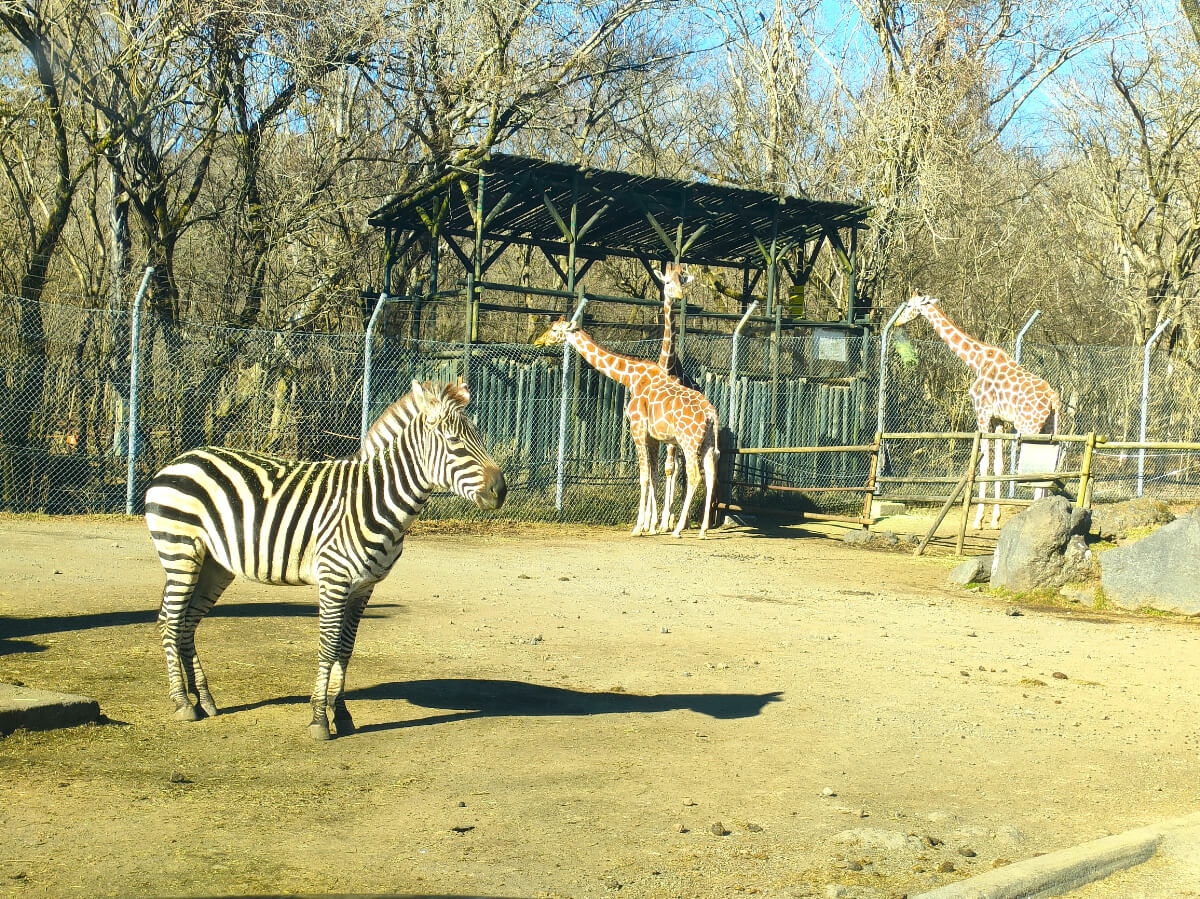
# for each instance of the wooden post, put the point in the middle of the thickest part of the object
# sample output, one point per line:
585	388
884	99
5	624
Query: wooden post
1084	501
970	490
941	515
870	486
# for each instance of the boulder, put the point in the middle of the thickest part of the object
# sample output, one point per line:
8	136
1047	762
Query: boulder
973	571
1115	520
1042	547
1160	571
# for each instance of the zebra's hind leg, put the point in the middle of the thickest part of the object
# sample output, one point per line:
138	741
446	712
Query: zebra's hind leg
212	583
183	563
343	724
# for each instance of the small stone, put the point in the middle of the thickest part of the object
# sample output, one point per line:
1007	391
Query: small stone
965	673
689	802
828	792
932	841
611	883
1001	862
863	813
666	630
854	865
718	829
1059	675
966	852
754	828
178	778
946	867
523	577
565	578
681	828
462	804
1014	612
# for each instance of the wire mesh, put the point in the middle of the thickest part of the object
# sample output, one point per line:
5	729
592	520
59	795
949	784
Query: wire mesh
65	437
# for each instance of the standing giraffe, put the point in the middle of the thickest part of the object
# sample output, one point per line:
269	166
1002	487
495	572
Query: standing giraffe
674	278
1003	391
660	409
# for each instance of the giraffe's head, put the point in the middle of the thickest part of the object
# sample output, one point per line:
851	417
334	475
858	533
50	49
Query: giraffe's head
916	305
674	279
557	334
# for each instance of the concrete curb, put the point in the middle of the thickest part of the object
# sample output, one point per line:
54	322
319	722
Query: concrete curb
30	709
1058	872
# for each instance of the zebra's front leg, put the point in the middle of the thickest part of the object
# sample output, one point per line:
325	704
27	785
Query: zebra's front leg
331	615
343	724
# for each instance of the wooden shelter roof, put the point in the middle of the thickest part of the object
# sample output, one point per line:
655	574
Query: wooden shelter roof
629	215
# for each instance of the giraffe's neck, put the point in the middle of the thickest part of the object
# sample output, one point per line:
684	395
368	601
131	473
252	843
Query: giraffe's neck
971	351
664	355
614	365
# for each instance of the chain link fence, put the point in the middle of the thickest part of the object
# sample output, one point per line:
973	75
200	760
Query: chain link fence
562	442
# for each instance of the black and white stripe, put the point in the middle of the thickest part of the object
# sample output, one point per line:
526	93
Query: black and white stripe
216	513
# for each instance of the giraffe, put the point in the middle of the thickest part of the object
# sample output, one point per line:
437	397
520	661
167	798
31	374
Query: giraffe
660	409
1003	391
674	278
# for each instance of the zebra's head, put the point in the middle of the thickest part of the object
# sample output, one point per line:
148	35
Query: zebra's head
455	457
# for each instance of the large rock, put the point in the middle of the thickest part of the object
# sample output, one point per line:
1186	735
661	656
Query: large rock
1042	547
1161	571
1116	520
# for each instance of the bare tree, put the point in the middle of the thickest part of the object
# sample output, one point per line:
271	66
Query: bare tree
1134	181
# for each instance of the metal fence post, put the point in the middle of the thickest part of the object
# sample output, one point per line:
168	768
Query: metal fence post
733	366
1016	444
135	333
561	476
883	348
1146	351
368	340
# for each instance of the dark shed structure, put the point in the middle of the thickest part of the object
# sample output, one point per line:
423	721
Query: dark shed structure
577	216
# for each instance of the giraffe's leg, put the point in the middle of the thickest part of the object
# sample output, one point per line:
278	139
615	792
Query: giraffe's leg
998	469
212	583
693	478
183	562
331	614
984	449
710	484
641	442
343	724
669	477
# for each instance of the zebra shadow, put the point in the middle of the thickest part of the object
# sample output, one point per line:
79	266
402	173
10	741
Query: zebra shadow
466	698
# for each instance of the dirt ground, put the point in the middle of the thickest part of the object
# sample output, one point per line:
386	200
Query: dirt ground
573	712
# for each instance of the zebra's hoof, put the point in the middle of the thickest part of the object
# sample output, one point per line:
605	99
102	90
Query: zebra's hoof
318	732
209	708
186	713
343	727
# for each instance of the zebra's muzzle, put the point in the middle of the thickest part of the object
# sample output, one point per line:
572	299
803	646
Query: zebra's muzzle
491	495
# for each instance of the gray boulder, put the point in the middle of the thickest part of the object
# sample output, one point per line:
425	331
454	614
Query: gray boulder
972	571
1161	571
1043	546
1114	521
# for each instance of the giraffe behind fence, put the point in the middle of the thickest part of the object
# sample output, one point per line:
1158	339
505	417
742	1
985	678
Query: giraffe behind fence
1003	391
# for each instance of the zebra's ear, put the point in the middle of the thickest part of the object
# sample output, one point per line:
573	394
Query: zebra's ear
424	399
457	394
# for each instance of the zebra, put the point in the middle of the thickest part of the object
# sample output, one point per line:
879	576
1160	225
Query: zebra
215	513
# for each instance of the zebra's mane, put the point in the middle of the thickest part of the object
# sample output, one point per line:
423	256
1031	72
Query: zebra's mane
396	417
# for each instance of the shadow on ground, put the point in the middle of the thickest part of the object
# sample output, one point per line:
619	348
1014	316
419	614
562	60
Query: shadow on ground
470	698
